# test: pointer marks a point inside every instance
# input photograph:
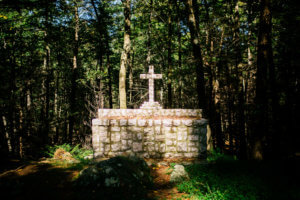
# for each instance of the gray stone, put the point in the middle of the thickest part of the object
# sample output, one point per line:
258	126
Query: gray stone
123	122
137	147
182	146
115	128
179	174
127	175
170	149
187	122
157	122
193	137
141	122
167	123
176	122
132	122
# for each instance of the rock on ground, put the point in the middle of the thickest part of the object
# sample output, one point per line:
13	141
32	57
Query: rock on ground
178	174
116	178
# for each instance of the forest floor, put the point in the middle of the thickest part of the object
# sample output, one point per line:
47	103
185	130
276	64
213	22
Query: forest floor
45	179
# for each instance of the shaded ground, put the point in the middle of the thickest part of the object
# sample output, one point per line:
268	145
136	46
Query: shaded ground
43	180
37	180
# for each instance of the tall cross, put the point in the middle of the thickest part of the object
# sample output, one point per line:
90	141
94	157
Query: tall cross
151	76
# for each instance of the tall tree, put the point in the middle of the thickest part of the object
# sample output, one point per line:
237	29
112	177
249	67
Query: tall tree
74	73
125	55
193	23
265	69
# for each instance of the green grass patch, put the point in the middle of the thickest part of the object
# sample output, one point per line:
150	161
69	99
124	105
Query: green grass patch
240	180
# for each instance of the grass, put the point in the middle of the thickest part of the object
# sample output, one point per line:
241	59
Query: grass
227	178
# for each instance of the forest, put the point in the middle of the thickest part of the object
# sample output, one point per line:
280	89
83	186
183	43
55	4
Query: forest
238	60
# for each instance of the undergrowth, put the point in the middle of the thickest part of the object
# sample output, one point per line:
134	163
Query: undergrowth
80	154
226	178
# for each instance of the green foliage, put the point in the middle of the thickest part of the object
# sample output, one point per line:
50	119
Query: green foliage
77	152
238	180
217	155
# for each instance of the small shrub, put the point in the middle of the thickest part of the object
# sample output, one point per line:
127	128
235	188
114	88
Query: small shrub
77	152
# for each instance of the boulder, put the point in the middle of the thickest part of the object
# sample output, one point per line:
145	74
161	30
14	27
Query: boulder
178	174
116	178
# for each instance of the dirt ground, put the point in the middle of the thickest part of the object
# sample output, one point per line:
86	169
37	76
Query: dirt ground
43	180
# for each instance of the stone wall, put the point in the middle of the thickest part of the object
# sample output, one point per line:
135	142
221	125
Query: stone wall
162	133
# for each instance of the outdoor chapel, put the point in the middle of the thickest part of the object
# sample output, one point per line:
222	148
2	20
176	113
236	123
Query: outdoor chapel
150	131
149	99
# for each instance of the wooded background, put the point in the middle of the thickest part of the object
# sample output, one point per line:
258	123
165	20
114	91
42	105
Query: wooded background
236	59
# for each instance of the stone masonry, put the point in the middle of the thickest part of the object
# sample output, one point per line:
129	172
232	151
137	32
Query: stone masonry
155	133
150	132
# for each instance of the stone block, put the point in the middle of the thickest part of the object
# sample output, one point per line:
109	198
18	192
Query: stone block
114	122
137	147
157	130
160	138
141	122
116	137
182	136
166	129
116	147
123	122
170	135
102	134
137	136
157	122
193	137
96	122
176	122
125	135
191	155
129	142
132	122
194	144
182	147
182	129
104	140
150	122
107	148
150	147
95	138
169	142
149	130
124	142
103	129
161	147
200	122
193	149
115	128
136	129
171	149
167	122
187	122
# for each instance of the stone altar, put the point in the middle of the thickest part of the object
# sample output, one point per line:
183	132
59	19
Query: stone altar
150	132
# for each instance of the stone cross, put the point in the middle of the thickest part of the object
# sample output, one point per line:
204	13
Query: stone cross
151	76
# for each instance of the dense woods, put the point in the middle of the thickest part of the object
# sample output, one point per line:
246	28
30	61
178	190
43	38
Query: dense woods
238	60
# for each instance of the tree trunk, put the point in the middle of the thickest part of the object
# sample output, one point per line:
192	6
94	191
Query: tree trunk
193	24
74	76
125	56
170	34
264	66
